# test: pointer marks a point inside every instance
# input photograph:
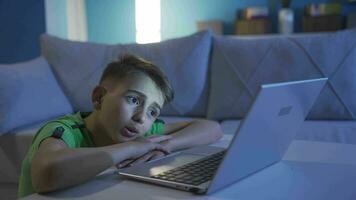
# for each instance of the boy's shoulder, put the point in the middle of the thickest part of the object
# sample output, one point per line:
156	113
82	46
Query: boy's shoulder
68	128
72	120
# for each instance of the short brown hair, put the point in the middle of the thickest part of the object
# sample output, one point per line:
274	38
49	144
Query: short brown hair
129	64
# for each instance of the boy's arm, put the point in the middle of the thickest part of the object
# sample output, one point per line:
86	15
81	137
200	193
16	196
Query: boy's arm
193	133
55	166
181	135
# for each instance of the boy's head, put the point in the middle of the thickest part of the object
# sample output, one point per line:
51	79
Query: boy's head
130	64
129	98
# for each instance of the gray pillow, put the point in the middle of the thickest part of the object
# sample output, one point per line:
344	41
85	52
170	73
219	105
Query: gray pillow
78	67
29	94
241	64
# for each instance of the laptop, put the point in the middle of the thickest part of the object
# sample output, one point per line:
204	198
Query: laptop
261	140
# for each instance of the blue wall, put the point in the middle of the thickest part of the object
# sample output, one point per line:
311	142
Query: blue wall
21	24
56	18
111	21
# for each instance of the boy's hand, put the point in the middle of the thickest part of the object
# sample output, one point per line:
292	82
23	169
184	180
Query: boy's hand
158	152
141	146
154	154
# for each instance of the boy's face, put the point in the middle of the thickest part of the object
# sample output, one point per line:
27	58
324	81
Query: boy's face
129	109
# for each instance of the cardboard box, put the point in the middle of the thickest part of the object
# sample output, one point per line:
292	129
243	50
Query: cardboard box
252	27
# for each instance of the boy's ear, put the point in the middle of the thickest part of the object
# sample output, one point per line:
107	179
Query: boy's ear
97	96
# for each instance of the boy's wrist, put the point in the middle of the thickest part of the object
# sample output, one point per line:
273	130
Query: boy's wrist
123	151
168	145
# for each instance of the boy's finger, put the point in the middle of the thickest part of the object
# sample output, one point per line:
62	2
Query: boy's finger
124	163
157	154
142	159
157	139
162	149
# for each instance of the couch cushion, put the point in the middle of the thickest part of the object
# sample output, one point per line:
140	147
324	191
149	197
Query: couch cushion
241	64
78	67
29	94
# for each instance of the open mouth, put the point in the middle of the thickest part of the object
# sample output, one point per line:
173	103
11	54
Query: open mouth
129	132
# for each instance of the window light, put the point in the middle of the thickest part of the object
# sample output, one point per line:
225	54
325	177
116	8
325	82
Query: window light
148	21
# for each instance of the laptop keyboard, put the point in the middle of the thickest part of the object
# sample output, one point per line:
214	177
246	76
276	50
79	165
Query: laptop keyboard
194	173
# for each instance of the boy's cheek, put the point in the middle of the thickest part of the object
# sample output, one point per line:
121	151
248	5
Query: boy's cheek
145	130
142	134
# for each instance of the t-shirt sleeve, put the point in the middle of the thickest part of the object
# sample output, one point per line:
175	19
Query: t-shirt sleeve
56	130
156	129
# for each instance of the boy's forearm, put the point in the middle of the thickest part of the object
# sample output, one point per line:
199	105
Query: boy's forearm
198	132
74	166
68	167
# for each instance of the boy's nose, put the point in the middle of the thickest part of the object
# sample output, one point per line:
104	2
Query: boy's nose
139	116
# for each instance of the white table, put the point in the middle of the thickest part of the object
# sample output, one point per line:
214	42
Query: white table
309	170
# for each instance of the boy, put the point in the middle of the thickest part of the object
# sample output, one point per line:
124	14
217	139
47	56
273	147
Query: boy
122	130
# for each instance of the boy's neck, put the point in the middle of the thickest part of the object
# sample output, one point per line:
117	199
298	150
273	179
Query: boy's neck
97	133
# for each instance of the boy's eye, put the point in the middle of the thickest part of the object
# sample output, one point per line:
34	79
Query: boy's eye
133	100
153	113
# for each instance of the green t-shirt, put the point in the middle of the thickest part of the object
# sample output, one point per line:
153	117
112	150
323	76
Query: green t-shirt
70	129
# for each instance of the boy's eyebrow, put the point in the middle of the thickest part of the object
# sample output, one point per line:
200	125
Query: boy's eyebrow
157	106
143	95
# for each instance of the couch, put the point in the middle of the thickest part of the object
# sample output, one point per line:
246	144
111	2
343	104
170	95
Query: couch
214	77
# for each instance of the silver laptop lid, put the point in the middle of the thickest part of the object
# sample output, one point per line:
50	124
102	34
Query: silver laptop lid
268	129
